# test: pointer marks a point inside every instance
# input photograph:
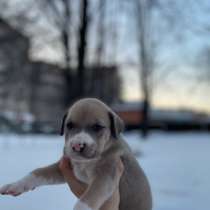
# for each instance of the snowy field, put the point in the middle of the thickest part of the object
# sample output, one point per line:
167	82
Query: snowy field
177	165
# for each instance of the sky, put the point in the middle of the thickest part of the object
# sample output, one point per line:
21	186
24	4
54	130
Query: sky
177	55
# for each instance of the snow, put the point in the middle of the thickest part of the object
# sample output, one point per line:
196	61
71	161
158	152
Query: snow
177	166
178	169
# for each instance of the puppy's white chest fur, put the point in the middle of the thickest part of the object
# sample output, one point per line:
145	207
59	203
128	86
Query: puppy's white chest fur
84	171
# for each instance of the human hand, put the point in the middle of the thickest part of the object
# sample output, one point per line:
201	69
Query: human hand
76	186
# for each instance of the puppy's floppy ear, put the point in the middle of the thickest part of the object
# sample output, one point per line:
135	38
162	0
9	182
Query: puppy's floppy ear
116	124
63	124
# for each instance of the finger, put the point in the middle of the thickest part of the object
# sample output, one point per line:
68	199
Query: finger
64	164
67	172
66	168
67	162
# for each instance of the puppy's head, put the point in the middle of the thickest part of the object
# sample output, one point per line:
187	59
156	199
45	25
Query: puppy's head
89	126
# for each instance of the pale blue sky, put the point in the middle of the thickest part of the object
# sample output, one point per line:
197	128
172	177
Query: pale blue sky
179	57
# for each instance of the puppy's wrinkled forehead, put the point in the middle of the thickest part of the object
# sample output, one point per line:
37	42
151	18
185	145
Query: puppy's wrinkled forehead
89	111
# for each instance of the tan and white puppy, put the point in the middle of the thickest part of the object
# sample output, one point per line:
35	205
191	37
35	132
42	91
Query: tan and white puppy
93	143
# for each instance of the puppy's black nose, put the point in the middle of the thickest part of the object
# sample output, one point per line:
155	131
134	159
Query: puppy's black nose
78	147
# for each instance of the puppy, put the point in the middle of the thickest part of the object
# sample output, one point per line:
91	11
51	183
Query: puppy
94	146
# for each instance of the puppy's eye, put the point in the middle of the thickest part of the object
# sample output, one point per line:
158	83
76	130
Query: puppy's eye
97	127
70	125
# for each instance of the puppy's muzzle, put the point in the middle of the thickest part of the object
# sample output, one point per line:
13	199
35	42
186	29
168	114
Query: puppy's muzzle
81	145
78	147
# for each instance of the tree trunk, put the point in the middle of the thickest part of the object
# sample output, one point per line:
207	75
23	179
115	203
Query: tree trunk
66	36
145	70
146	118
97	86
82	47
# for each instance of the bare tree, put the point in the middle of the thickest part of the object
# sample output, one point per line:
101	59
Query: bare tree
143	20
101	31
151	71
82	45
96	84
58	14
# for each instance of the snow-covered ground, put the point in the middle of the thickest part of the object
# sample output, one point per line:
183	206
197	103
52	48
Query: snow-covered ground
177	165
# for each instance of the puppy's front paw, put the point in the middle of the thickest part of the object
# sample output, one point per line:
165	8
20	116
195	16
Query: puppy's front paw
81	206
14	189
18	187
